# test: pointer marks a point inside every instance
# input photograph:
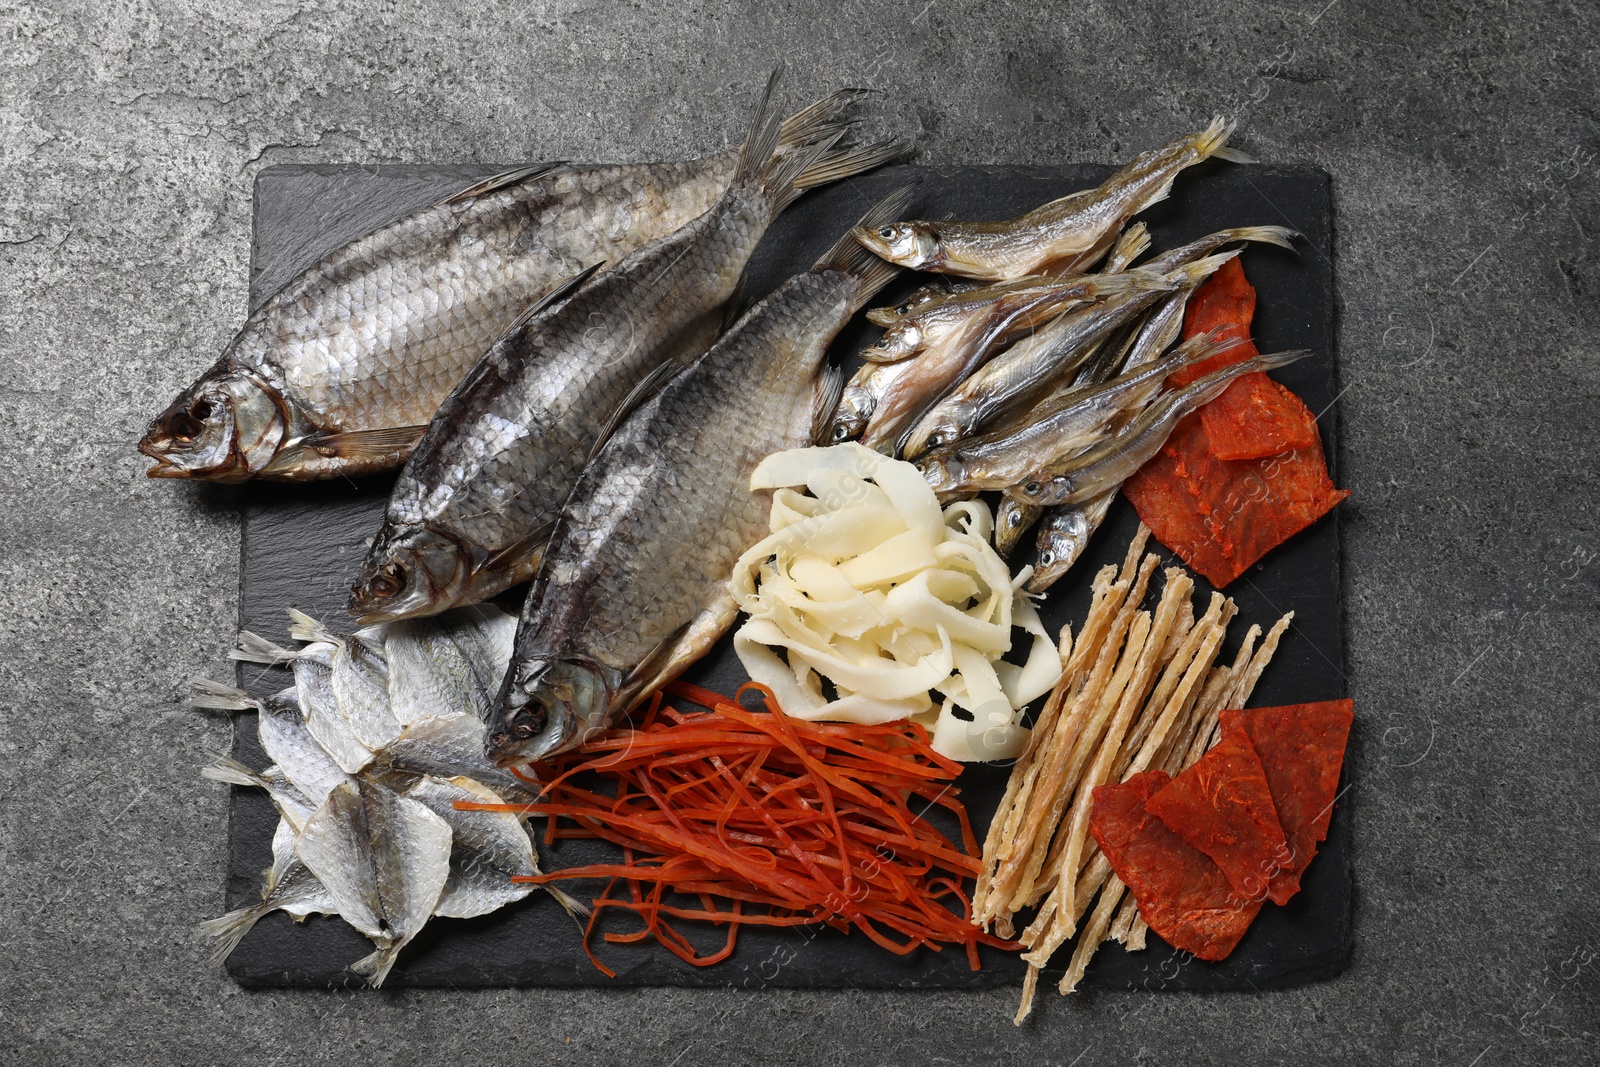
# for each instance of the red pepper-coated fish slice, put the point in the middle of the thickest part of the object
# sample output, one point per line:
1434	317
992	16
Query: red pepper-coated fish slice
1221	805
1301	748
1226	302
1181	893
1221	516
1258	417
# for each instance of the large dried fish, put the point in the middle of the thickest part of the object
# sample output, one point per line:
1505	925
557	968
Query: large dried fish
340	371
474	505
1062	236
634	586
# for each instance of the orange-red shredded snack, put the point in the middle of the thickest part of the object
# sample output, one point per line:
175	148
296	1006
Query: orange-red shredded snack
765	819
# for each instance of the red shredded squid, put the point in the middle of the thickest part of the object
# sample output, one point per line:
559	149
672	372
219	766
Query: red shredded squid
764	820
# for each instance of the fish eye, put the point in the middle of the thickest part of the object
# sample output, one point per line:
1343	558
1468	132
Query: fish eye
1046	558
903	309
388	582
1032	488
887	233
841	432
936	440
1014	518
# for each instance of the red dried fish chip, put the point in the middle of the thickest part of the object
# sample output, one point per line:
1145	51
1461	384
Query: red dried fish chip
1301	748
1226	302
1220	516
1256	417
1181	893
1222	806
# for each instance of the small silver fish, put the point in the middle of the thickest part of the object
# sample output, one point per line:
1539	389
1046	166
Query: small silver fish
1012	519
1017	378
1107	465
1063	536
1059	237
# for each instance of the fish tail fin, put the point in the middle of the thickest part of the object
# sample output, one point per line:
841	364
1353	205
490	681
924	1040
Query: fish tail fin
204	693
849	256
1132	243
819	121
230	771
761	141
811	157
1273	360
571	904
1191	275
375	967
303	627
253	648
1282	236
834	164
1213	141
226	931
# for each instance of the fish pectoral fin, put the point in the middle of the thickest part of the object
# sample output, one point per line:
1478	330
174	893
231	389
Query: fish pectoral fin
830	386
503	180
527	549
361	444
549	300
672	656
632	402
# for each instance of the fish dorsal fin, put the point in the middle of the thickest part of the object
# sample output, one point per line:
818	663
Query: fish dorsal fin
504	179
549	300
632	402
830	386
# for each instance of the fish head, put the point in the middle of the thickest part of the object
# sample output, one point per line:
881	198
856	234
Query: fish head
888	316
1061	542
902	341
1011	521
410	571
546	707
940	429
850	420
224	428
910	244
943	471
1044	488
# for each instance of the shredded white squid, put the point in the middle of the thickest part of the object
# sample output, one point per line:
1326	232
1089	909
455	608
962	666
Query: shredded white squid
867	583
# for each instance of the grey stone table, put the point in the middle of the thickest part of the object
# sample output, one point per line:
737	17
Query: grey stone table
1462	144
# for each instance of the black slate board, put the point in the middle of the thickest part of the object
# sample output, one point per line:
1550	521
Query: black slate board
302	546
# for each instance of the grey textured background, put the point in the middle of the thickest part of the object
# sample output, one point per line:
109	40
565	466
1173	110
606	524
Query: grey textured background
1463	143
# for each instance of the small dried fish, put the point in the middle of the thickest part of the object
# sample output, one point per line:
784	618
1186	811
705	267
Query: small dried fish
448	663
1062	236
1063	536
939	368
1084	476
1022	375
1072	423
